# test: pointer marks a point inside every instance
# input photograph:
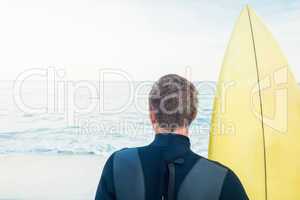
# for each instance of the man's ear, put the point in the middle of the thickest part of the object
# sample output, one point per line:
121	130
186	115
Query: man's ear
152	116
194	115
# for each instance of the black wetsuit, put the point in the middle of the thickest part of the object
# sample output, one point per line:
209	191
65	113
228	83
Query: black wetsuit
154	159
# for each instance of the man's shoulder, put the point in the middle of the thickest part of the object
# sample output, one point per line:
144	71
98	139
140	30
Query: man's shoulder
111	158
216	164
209	161
125	152
115	156
211	167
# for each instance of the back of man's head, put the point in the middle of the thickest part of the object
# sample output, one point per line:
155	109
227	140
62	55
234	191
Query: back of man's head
173	102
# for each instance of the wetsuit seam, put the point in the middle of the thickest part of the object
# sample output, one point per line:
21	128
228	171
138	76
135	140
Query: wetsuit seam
185	177
223	182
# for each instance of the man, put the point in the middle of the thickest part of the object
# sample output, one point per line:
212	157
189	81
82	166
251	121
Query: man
167	168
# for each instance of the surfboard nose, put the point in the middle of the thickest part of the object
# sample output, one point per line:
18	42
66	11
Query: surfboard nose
247	13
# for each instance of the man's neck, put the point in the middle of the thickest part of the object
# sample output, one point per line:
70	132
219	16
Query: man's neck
179	131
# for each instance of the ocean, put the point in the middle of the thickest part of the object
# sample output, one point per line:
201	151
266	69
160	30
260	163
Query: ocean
85	117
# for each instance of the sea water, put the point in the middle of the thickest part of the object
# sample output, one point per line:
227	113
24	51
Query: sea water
86	117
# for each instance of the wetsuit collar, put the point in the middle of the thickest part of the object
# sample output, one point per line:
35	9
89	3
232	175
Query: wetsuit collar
166	139
176	144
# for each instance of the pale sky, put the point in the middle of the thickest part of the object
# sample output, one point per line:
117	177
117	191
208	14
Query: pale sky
147	39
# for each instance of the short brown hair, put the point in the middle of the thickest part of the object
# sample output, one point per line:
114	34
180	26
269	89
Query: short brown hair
174	101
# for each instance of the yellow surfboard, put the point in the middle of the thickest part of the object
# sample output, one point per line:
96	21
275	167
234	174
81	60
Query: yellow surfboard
255	128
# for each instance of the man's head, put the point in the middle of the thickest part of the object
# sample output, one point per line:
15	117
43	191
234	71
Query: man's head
173	104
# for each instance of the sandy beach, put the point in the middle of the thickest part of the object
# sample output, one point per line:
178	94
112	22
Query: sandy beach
30	177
